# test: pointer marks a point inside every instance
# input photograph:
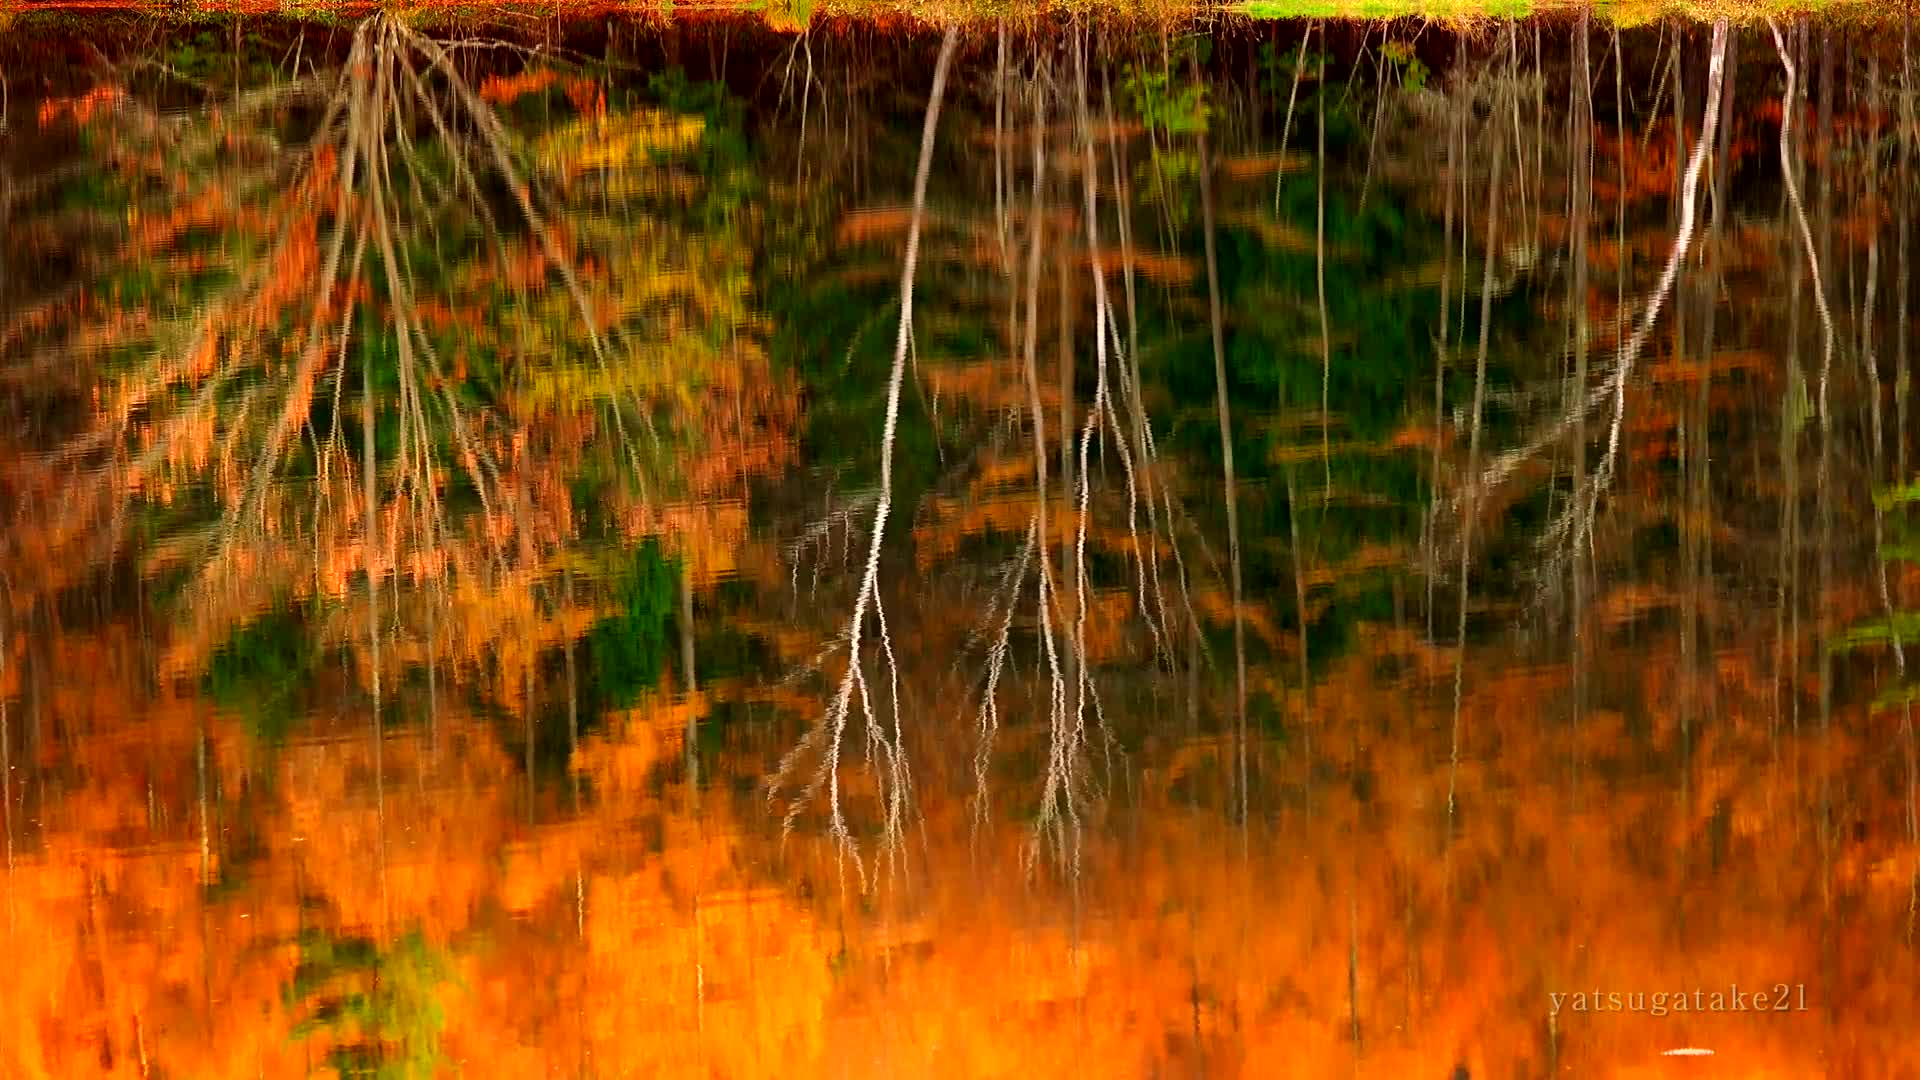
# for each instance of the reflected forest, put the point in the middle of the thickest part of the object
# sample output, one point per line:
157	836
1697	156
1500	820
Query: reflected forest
739	543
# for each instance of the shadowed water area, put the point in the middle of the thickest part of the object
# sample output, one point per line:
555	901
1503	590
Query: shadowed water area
763	545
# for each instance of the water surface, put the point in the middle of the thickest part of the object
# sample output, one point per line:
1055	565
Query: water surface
1084	547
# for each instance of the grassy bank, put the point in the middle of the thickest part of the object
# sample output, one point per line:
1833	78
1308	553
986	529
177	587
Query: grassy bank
796	14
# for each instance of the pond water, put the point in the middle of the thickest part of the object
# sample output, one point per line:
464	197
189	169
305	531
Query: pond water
743	545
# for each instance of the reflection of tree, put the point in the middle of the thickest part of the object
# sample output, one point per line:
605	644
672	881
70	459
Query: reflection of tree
826	737
627	647
375	1007
1078	554
409	340
259	673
